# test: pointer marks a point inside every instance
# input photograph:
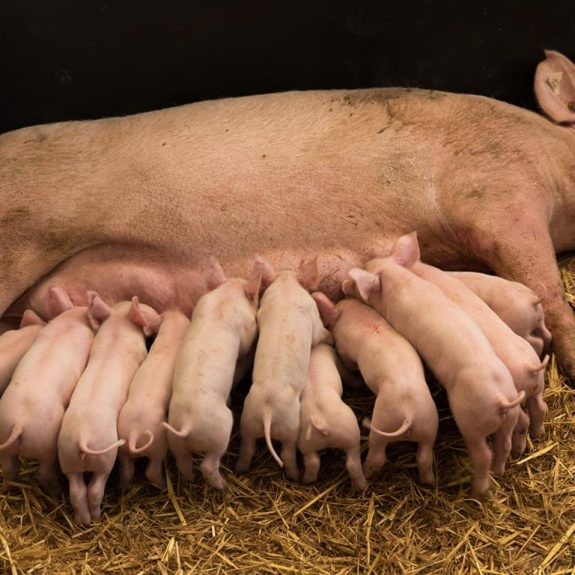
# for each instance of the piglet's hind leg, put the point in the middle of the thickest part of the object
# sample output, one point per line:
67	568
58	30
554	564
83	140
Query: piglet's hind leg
127	470
481	457
96	489
48	477
210	468
247	451
312	463
425	463
353	466
79	498
10	467
154	473
288	456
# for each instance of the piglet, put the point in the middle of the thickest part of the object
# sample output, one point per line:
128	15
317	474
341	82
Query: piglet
141	419
88	440
223	329
33	406
514	351
326	421
517	305
392	369
15	343
480	389
289	325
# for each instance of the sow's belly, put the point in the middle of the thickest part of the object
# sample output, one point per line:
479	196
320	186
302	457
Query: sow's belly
166	281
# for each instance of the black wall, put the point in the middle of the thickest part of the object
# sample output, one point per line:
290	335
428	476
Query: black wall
75	59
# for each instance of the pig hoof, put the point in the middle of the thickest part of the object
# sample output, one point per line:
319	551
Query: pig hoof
293	475
217	482
480	493
242	467
515	453
309	478
360	485
428	479
369	471
83	519
158	483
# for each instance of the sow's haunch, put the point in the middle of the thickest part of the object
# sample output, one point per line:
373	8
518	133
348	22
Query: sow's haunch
138	205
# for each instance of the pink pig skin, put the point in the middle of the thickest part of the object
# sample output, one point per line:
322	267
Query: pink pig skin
326	421
141	418
15	343
519	438
392	369
88	440
514	351
338	173
480	389
290	326
33	406
222	330
517	305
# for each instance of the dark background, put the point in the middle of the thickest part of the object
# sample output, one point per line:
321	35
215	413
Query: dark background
76	59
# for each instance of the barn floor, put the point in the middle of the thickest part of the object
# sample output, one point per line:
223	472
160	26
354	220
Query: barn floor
264	523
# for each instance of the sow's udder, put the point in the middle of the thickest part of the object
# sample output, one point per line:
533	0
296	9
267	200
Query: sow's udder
160	281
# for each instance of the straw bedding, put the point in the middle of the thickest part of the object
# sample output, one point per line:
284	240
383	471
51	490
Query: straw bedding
264	523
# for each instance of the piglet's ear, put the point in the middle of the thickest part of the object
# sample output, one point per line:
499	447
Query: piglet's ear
267	272
215	275
58	301
348	287
308	275
366	283
145	318
555	87
98	310
30	317
327	310
253	286
405	251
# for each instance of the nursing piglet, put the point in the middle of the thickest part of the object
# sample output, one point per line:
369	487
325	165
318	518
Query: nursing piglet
88	440
223	329
514	351
15	343
392	369
517	305
289	325
480	389
32	408
141	419
326	421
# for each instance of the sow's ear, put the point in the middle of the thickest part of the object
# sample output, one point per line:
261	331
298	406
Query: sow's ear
98	310
58	301
405	251
555	87
366	283
145	318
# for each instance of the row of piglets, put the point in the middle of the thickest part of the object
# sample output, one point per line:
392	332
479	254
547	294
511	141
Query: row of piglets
64	396
121	395
216	353
487	369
